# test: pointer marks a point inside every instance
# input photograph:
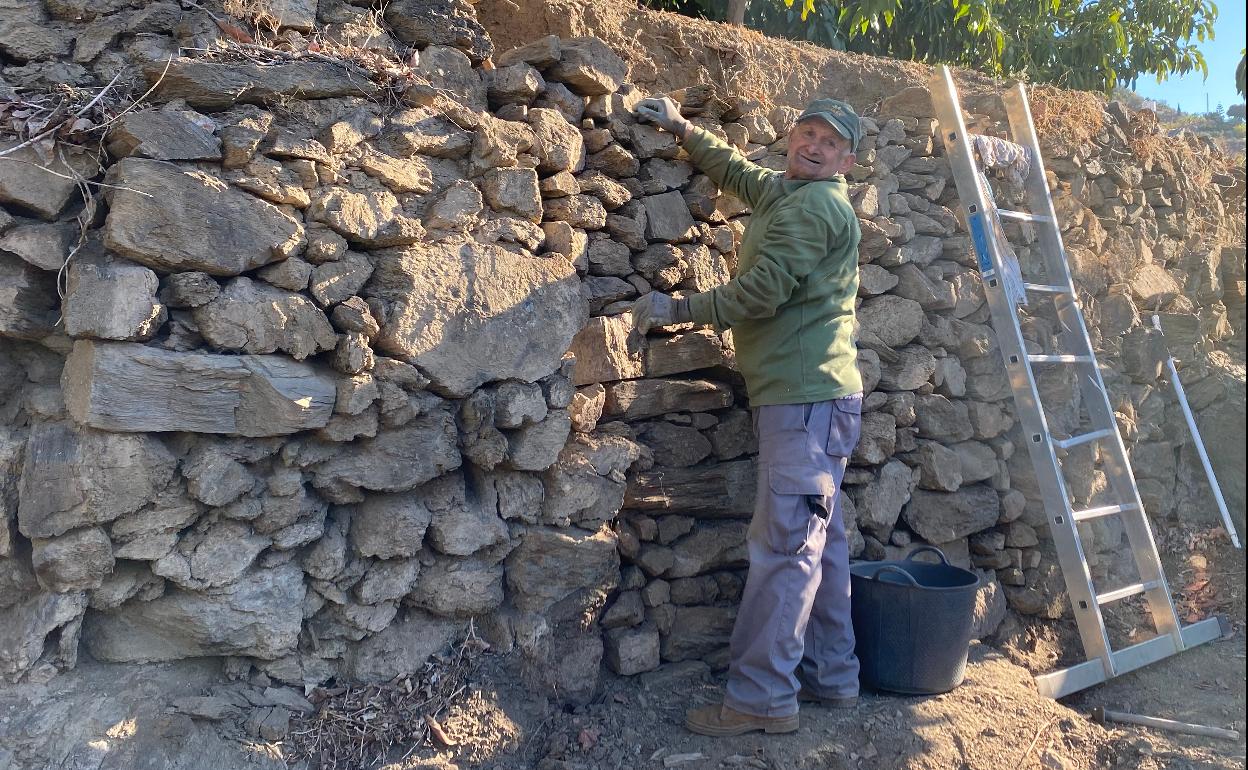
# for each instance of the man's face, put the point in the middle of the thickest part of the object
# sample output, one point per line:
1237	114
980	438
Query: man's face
817	151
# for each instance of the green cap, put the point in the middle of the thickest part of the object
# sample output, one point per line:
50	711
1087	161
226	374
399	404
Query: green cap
837	114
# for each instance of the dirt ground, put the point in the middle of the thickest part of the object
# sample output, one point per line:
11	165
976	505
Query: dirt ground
108	717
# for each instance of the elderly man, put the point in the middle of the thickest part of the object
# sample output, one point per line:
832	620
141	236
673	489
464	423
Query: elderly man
791	309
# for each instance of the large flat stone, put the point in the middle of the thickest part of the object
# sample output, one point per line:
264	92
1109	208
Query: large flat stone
397	460
725	490
259	616
602	351
467	313
550	565
216	86
26	184
636	399
173	218
128	387
253	317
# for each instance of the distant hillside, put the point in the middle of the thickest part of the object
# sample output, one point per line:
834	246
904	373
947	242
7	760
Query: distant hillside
1224	125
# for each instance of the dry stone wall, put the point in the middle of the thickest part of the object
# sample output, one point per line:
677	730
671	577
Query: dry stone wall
341	366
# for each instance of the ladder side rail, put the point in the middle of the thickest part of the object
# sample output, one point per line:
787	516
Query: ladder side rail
1092	385
1056	499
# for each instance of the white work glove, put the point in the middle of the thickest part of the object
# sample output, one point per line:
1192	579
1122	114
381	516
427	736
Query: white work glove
664	113
658	309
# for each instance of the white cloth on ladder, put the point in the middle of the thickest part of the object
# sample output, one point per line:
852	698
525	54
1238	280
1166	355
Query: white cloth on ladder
1013	159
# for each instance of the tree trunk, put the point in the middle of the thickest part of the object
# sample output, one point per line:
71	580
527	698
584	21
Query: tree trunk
736	12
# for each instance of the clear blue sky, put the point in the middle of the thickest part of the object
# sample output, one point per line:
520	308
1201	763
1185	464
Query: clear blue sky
1222	56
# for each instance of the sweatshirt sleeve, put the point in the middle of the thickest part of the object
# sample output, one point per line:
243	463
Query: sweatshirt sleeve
796	241
727	168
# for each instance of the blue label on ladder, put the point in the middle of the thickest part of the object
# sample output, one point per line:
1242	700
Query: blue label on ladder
979	237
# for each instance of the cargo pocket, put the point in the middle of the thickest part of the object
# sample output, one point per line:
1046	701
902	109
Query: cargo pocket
797	510
845	426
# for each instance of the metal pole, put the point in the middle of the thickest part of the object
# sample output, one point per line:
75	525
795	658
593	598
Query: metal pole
1105	715
1200	445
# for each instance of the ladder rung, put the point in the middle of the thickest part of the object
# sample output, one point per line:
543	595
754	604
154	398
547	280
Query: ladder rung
1105	510
1022	216
1123	593
1095	435
1045	359
1046	288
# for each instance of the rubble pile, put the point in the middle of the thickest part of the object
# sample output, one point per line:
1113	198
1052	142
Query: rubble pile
342	366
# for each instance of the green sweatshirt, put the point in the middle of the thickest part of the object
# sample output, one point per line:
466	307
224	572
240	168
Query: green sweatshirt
791	303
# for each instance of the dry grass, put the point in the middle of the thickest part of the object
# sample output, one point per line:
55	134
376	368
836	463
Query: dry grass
1066	118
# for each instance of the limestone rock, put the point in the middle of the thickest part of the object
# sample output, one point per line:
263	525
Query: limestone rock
221	231
879	502
188	290
712	546
551	565
940	468
397	460
943	419
452	73
112	300
75	561
675	446
469	313
723	490
536	447
162	135
513	190
632	651
462	523
558	144
43	244
260	616
458	588
130	387
895	320
440	22
26	35
25	181
667	217
256	318
373	219
214	85
602	351
74	477
588	66
401	175
939	517
701	349
32	623
697	632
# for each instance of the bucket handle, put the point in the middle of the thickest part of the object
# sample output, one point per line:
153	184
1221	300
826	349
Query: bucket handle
920	549
894	568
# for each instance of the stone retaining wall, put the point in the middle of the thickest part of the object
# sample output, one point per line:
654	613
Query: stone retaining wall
342	368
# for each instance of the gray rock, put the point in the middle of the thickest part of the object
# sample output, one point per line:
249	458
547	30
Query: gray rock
46	245
588	66
536	447
458	588
396	460
129	387
517	404
637	399
942	419
213	85
74	477
387	580
334	282
25	181
602	351
373	219
940	517
978	461
291	274
189	290
697	632
894	320
75	561
215	478
940	468
440	23
33	623
221	231
260	615
461	523
712	546
513	190
498	315
255	318
667	217
551	565
28	300
632	651
402	648
112	300
878	439
879	502
162	135
675	446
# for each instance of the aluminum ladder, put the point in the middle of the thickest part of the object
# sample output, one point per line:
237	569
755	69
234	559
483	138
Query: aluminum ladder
982	217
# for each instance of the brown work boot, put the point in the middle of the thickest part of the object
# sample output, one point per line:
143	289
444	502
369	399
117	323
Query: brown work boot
847	702
719	720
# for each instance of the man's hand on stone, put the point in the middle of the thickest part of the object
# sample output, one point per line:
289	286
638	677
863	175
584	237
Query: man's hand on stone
658	309
664	113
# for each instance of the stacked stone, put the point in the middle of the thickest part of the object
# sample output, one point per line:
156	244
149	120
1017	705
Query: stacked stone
307	405
331	380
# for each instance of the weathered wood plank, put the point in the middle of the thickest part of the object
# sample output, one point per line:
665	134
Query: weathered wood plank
720	491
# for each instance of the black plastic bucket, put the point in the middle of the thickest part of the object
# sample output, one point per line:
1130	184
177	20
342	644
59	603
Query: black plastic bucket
912	622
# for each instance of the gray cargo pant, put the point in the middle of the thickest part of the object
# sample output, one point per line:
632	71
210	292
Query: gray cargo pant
793	627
